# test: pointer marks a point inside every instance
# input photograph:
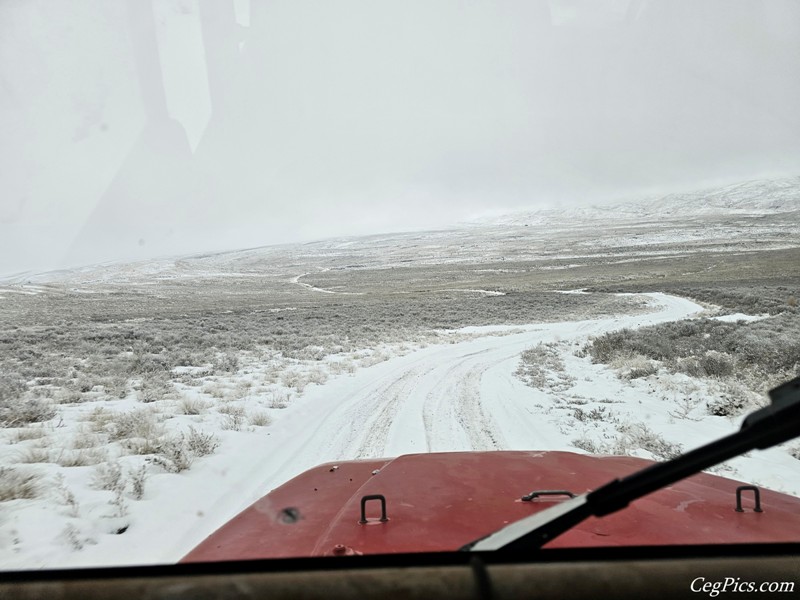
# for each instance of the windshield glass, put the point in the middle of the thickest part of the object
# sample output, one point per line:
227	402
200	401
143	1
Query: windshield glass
242	239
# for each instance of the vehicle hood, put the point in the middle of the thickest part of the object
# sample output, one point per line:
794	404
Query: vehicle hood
442	501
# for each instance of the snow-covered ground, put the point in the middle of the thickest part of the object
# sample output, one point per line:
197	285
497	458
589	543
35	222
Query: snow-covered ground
461	395
359	347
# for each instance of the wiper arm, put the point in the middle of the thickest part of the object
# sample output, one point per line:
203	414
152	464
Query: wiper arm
764	428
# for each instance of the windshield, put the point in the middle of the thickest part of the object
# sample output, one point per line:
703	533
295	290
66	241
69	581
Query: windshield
240	240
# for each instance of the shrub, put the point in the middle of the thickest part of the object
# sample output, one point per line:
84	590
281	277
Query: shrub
16	484
342	366
634	436
542	367
66	497
689	366
310	352
757	354
716	364
177	453
12	388
259	419
317	375
140	423
81	458
640	372
83	440
279	400
242	389
215	390
607	347
34	455
72	537
26	434
107	476
154	387
293	379
119	504
138	479
732	399
190	405
117	387
684	408
638	435
634	366
227	362
139	430
19	411
173	455
200	443
84	385
588	445
146	363
70	397
234	417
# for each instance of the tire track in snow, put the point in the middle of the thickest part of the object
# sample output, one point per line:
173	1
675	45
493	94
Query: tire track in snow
482	430
376	429
453	411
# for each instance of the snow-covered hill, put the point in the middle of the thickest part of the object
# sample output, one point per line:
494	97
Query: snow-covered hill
757	197
760	214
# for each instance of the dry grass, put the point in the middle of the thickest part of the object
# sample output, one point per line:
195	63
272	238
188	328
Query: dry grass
542	367
18	484
26	434
279	400
86	440
633	366
107	476
235	417
215	390
189	405
631	438
259	419
34	455
242	390
177	453
81	458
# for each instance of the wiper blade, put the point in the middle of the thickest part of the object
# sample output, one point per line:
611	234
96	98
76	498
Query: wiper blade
764	428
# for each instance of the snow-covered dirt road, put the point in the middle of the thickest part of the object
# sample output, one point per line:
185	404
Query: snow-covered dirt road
461	396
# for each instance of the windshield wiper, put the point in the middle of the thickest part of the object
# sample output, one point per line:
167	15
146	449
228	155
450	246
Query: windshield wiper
764	428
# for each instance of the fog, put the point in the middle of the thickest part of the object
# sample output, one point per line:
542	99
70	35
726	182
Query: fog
134	129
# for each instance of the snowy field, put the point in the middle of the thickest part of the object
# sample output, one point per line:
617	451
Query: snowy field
143	405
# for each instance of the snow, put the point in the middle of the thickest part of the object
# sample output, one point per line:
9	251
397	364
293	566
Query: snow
459	394
736	317
296	280
26	292
453	396
469	291
757	197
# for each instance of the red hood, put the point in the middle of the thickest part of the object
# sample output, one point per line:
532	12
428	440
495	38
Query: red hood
438	502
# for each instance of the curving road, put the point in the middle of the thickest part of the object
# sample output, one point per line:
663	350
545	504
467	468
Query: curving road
460	396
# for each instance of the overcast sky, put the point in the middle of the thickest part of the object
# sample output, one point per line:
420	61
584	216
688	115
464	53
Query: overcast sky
133	129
